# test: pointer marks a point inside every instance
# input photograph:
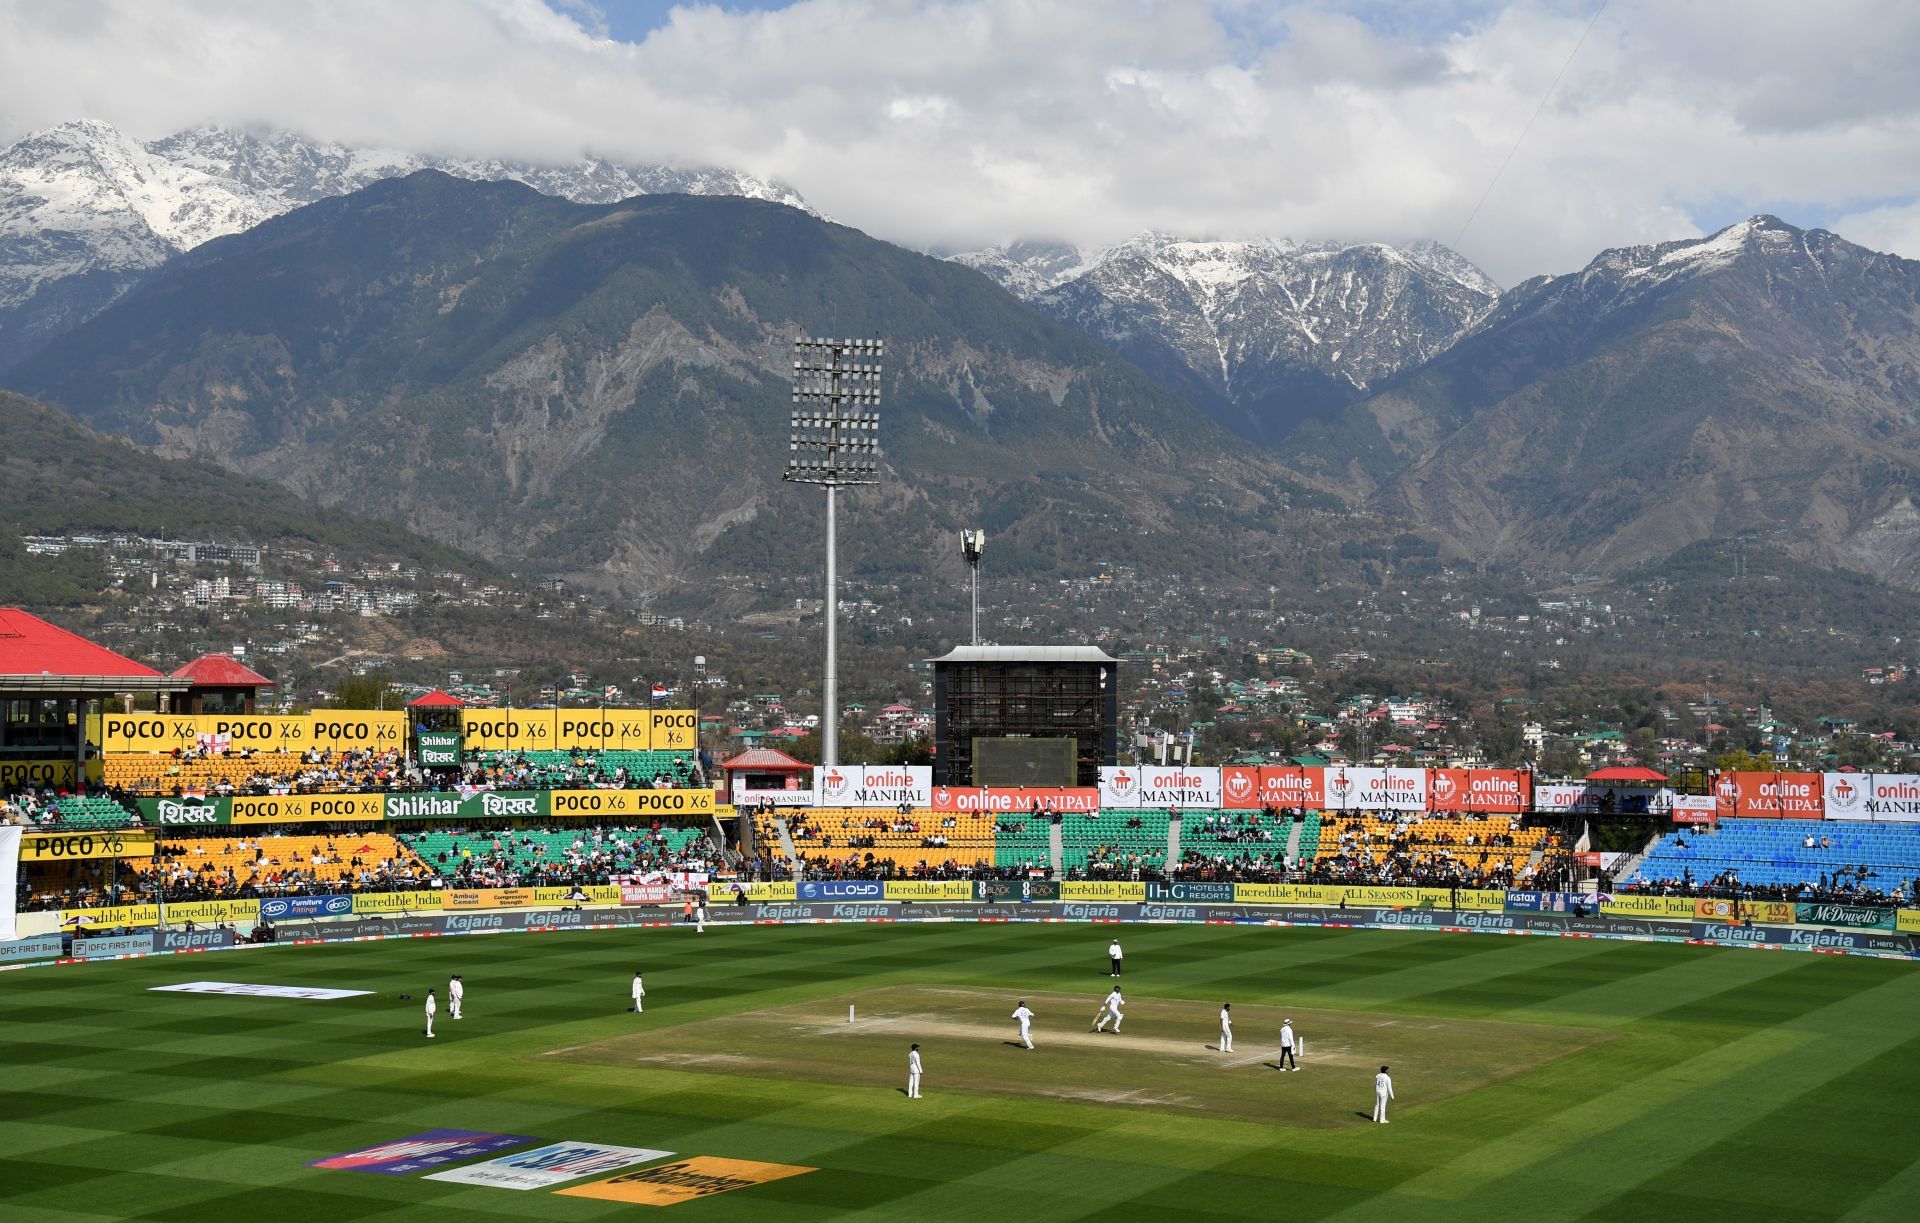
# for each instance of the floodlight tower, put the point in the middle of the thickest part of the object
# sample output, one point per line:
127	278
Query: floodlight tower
834	444
972	544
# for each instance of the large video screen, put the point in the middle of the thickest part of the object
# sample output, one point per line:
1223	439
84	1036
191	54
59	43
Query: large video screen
1024	762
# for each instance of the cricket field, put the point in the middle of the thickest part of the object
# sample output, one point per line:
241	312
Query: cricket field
1538	1079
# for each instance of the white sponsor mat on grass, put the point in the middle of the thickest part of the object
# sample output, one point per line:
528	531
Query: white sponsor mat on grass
242	989
549	1165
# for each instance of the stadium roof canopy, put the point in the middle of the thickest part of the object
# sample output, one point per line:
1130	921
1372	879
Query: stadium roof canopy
437	700
42	659
1025	653
1626	772
764	760
221	671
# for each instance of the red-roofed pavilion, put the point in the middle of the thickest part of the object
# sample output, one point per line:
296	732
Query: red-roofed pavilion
50	680
221	683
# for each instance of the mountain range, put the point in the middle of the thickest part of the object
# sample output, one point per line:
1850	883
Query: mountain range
87	211
1260	335
1761	381
596	389
601	392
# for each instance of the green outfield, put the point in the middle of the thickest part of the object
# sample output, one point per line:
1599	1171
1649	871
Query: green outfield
1539	1078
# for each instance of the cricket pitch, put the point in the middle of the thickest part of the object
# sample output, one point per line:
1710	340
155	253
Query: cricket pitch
1166	1055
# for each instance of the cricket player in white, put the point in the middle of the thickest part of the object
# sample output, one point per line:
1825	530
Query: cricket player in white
913	1073
639	994
1287	1043
1110	1009
1025	1017
700	914
1113	956
1382	1092
456	994
432	1006
1226	1027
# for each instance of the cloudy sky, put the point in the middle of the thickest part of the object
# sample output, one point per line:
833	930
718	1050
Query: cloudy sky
959	124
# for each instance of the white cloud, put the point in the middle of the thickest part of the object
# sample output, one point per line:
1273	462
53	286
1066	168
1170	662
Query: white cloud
957	124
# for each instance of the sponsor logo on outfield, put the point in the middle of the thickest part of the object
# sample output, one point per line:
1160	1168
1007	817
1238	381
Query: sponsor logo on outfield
241	989
473	923
1154	912
428	1149
1485	921
1080	912
684	1180
549	1165
192	940
782	912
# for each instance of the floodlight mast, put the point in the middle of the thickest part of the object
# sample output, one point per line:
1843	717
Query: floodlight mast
972	544
834	444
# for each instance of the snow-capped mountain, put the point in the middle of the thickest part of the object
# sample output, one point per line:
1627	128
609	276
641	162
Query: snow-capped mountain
1264	334
87	211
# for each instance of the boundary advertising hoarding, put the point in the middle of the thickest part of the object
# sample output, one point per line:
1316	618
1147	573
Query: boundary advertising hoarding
77	846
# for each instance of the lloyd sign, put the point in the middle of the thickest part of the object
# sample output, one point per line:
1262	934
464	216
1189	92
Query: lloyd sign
1159	786
873	785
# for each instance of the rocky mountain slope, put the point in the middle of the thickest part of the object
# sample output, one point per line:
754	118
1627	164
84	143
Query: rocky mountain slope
1762	381
602	392
86	211
1260	335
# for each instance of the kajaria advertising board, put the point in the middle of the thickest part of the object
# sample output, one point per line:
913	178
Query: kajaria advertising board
873	785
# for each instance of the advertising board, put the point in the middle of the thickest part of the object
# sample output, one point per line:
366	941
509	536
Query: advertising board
841	889
282	908
108	946
307	808
929	889
192	940
1191	893
78	846
1159	786
631	803
24	950
20	774
1283	787
185	812
876	785
1376	789
1118	890
1022	800
1019	891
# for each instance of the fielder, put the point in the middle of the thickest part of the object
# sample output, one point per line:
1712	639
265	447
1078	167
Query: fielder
1113	956
456	994
1382	1092
639	994
432	1006
913	1073
1110	1009
1226	1027
1025	1018
700	914
1287	1043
